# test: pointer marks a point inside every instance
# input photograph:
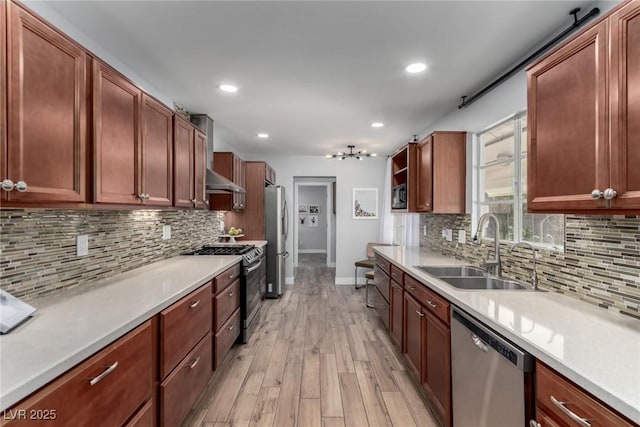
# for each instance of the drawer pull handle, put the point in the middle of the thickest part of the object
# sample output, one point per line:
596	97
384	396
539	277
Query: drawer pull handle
561	405
195	362
431	304
230	294
231	328
194	304
419	313
412	288
231	276
107	371
534	423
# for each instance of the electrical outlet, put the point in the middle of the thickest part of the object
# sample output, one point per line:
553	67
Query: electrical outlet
444	233
462	236
424	230
82	245
449	234
166	232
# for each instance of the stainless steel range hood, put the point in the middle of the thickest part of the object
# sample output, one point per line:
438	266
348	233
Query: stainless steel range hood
218	184
215	183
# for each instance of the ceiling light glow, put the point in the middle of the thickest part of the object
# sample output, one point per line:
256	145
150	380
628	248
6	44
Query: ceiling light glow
418	67
263	135
377	125
228	88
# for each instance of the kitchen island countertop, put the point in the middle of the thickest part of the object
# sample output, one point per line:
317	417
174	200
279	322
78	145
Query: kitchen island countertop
595	348
70	327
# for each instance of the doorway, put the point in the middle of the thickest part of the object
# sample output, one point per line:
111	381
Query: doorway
315	221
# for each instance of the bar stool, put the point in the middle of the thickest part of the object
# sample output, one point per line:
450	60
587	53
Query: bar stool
366	263
369	276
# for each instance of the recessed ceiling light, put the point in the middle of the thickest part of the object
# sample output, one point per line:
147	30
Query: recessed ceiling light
418	67
263	135
377	125
228	88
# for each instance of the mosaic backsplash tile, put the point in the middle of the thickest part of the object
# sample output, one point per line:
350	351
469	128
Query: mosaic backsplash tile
600	263
38	247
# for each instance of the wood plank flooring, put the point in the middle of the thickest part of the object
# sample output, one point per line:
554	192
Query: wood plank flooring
318	358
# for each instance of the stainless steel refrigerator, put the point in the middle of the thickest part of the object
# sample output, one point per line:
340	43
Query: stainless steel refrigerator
276	226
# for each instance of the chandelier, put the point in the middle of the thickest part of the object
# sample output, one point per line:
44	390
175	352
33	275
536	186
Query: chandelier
357	155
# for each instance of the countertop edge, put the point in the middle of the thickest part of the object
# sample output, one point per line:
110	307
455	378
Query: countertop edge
42	378
613	401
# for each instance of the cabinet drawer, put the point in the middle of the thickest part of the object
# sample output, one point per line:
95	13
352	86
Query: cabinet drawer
182	325
182	387
551	386
544	420
121	375
381	281
225	278
429	299
226	302
225	338
381	306
383	263
143	418
397	275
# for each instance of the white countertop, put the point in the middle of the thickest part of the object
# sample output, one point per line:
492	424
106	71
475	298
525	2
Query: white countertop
595	348
70	327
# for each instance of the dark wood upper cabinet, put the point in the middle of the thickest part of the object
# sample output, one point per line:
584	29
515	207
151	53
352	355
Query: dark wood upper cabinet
116	137
45	139
441	173
189	172
231	167
183	163
157	153
433	172
625	105
200	169
584	120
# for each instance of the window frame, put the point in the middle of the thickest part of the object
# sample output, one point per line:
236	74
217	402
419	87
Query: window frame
518	200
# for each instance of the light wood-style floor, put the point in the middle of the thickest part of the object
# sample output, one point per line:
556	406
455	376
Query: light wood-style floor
319	357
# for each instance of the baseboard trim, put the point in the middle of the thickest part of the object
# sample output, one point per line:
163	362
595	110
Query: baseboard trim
288	281
312	251
331	264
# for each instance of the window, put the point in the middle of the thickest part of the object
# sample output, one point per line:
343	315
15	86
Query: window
501	162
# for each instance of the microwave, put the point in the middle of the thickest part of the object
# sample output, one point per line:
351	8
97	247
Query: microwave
399	197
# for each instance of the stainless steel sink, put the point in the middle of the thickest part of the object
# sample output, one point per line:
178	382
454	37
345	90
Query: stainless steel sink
452	271
486	283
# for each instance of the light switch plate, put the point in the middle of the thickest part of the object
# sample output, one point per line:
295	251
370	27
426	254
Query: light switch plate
444	233
462	236
166	232
449	234
82	245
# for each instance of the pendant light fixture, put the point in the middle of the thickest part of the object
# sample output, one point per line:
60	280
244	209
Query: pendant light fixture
360	155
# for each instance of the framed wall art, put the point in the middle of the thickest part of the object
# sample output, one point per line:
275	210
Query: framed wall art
365	203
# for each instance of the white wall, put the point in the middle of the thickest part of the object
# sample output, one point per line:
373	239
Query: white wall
312	238
351	235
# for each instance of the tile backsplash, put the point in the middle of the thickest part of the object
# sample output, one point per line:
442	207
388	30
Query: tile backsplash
38	246
600	263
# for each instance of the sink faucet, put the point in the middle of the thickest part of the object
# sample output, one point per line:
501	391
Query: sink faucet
491	264
534	274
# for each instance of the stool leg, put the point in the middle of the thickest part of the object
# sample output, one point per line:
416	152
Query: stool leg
366	296
355	278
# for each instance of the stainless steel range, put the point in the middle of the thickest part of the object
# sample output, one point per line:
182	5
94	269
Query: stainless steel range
251	291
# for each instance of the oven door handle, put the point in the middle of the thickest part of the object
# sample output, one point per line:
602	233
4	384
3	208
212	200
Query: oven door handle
257	266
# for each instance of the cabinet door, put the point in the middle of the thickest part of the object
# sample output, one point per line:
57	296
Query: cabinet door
116	128
183	163
199	169
625	106
157	152
47	114
397	304
568	127
437	375
424	184
413	334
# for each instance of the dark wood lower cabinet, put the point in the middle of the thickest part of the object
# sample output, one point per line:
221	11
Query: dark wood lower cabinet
437	371
225	338
179	391
397	310
144	417
414	331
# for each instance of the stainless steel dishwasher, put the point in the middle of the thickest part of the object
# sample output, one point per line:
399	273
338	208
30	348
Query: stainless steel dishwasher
491	378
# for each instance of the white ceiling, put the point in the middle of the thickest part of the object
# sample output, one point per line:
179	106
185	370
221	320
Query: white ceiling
316	74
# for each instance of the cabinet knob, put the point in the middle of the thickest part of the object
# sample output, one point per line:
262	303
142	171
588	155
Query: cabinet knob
206	202
534	423
8	185
143	197
419	313
21	186
596	194
609	193
194	201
